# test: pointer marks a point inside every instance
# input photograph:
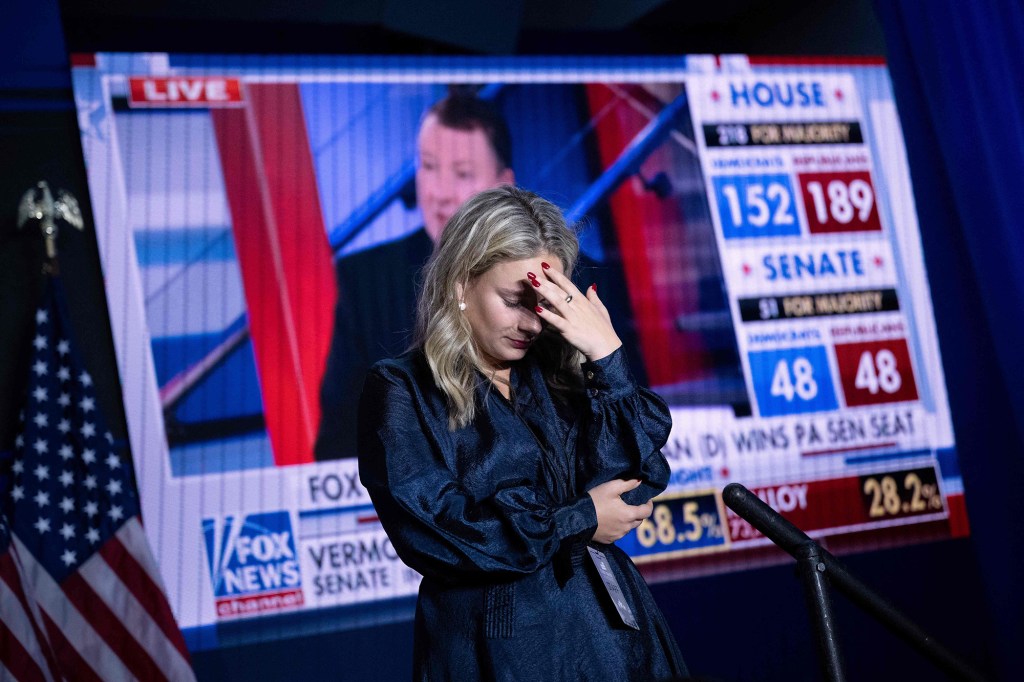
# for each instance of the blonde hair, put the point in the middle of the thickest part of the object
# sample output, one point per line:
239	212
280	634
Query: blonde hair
497	225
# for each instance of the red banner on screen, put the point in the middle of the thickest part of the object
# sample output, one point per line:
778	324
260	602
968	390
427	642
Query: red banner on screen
197	91
875	499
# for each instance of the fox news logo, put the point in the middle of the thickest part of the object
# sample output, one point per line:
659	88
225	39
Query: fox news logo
253	564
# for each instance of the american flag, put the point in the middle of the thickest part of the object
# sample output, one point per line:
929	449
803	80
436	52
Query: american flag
80	594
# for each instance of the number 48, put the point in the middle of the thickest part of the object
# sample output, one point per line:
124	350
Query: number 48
801	383
878	371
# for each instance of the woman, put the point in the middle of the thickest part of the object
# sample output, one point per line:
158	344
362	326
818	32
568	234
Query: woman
502	468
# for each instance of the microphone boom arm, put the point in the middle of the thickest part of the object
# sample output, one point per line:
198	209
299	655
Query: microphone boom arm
817	566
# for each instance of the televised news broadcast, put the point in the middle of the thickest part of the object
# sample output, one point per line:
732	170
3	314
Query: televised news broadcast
750	225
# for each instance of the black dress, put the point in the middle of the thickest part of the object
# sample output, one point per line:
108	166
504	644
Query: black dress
496	518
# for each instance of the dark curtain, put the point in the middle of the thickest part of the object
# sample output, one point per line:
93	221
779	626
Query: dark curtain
958	74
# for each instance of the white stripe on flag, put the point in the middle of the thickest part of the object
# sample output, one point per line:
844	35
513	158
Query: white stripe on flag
20	625
77	631
33	607
116	595
133	536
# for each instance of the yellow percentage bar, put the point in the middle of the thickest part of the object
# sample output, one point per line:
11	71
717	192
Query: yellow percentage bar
661	528
889	498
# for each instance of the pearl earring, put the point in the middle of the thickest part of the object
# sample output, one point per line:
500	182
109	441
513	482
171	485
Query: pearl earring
462	305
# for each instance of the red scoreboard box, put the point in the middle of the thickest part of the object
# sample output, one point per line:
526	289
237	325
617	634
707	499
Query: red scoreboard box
874	372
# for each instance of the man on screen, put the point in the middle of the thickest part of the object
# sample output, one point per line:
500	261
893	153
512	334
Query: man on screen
463	148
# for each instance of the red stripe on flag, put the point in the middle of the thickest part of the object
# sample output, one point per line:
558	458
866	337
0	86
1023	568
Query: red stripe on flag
147	592
9	574
108	626
17	659
67	655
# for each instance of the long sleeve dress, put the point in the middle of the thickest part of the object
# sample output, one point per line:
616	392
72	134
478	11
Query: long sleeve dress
496	518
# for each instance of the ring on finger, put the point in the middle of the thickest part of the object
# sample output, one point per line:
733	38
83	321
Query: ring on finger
568	299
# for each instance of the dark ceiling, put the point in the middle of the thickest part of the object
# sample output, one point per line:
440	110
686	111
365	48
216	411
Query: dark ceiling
490	27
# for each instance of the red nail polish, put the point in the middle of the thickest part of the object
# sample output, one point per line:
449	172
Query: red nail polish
594	286
538	308
531	275
545	266
534	282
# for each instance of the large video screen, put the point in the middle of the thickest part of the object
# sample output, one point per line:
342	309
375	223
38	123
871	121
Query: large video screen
262	221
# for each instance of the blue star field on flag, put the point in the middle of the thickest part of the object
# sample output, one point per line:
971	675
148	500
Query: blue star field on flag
70	489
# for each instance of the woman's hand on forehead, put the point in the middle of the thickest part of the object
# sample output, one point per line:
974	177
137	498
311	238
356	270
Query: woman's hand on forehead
581	319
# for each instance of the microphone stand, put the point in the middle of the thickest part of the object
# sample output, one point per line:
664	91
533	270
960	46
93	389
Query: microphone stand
817	568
